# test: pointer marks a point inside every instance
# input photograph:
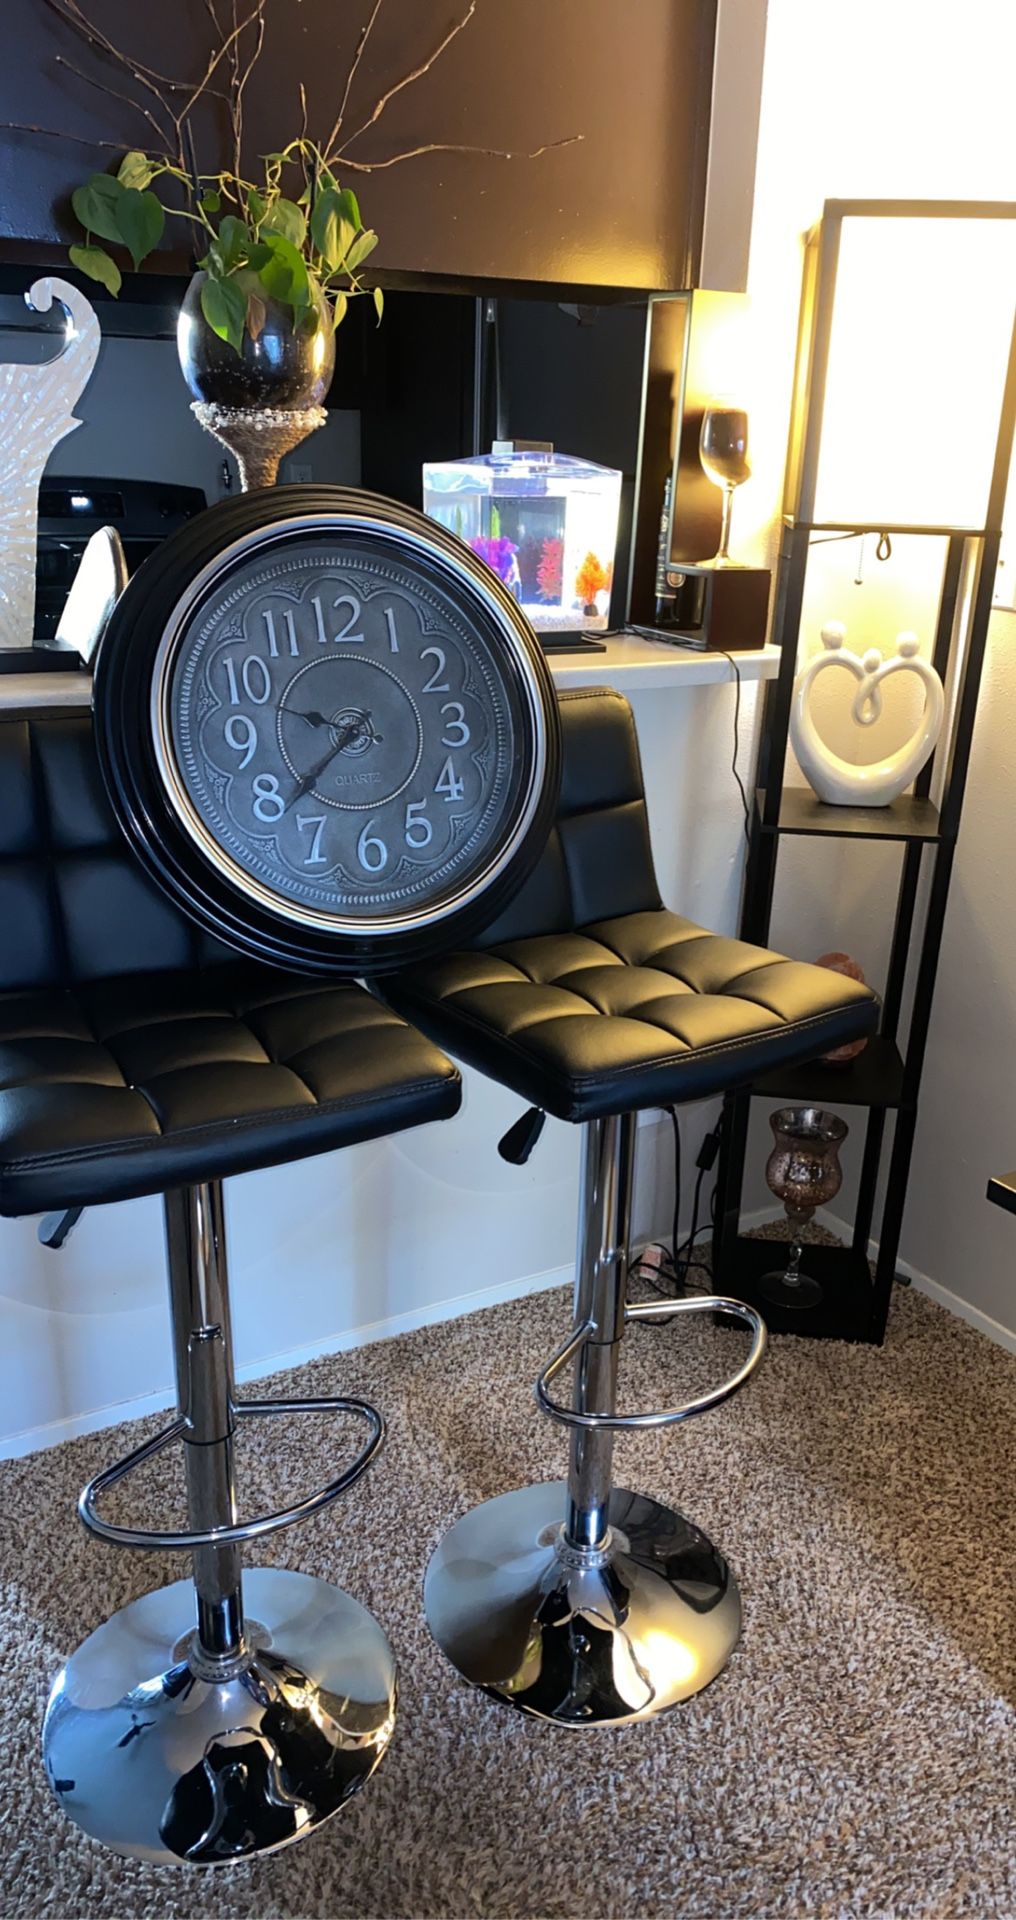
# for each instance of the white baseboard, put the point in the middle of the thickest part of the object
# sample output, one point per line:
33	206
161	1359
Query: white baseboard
34	1439
994	1330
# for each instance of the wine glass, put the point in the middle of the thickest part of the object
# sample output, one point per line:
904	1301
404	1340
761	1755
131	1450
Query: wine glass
803	1170
723	451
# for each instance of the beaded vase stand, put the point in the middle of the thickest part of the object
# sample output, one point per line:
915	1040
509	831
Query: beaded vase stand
258	437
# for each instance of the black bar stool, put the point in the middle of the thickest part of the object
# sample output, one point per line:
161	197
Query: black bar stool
137	1056
582	1603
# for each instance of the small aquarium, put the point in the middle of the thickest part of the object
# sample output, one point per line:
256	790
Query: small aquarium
545	522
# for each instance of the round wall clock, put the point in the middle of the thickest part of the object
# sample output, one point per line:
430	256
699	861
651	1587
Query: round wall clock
327	728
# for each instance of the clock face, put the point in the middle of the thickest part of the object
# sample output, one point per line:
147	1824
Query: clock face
350	728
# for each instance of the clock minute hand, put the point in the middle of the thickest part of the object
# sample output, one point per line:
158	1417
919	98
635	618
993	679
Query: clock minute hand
326	759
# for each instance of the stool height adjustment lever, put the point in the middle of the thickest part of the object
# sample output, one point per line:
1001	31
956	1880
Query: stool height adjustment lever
517	1144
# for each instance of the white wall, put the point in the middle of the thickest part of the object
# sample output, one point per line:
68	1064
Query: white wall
893	98
384	1236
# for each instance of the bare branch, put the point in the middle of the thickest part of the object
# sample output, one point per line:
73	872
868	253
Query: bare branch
72	16
78	139
365	32
240	79
443	146
232	40
102	86
416	74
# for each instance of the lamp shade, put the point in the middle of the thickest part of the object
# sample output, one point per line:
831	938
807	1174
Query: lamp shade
906	335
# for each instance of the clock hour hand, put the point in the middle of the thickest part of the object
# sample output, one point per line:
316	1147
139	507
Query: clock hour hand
347	734
313	719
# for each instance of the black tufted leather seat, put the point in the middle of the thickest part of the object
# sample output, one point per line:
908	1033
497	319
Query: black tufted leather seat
587	997
588	1604
136	1054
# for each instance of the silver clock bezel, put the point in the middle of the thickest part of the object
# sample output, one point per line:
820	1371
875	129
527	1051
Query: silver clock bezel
506	616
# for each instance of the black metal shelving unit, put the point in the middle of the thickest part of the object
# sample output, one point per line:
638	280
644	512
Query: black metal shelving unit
885	1079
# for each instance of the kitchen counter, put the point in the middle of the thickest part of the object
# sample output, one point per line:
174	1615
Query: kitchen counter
630	663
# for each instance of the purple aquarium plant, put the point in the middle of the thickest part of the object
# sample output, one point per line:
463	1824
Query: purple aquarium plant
499	554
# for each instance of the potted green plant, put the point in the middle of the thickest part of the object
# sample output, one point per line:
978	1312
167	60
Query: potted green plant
279	245
274	278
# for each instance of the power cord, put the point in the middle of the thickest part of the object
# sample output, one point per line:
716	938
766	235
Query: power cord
675	1263
737	745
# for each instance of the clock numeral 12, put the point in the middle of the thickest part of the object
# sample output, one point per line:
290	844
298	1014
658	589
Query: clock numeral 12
345	633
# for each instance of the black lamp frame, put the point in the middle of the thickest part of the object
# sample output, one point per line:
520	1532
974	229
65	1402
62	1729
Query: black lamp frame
886	1077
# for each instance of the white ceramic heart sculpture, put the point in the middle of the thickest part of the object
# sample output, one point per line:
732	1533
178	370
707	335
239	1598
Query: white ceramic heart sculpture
840	782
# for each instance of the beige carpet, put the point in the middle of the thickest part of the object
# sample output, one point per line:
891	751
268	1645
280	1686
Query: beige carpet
857	1761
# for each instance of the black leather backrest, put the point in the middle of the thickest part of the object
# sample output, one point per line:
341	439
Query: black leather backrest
598	861
74	902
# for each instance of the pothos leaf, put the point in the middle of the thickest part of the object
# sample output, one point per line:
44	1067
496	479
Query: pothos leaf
225	310
135	170
234	241
350	208
96	203
361	247
255	315
210	202
284	275
98	265
141	221
331	233
379	303
285	217
339	309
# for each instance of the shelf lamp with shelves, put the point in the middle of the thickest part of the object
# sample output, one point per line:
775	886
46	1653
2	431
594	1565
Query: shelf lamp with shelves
902	424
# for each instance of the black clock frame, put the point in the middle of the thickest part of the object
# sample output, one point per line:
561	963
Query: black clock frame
122	698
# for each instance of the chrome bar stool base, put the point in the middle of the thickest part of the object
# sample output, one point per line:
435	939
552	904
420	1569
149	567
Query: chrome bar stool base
600	1636
576	1601
230	1714
166	1756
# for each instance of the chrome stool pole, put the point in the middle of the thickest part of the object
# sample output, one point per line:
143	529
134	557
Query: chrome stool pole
578	1602
183	1730
206	1392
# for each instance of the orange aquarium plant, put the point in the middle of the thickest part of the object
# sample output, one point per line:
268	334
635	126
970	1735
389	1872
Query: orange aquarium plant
591	578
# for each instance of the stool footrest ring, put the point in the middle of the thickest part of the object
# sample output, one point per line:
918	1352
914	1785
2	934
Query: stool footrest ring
667	1416
187	1538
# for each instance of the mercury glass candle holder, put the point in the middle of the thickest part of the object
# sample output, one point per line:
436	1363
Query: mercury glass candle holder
803	1170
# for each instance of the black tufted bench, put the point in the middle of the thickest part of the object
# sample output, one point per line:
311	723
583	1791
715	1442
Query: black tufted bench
138	1056
591	1001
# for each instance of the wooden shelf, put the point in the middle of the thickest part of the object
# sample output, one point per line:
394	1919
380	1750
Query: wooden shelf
847	527
873	1079
908	818
844	1312
1002	1190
